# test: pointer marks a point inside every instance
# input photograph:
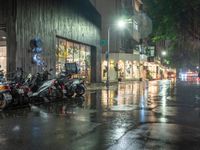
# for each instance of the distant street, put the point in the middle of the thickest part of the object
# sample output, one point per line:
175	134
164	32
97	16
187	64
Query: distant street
134	115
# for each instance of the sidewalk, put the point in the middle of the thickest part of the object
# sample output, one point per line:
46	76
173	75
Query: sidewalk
102	85
97	86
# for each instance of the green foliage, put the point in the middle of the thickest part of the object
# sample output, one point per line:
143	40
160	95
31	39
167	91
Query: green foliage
176	21
164	17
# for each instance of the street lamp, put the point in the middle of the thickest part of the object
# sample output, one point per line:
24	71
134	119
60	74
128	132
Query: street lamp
163	53
121	24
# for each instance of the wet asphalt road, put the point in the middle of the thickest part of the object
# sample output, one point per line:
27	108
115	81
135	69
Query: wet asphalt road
129	116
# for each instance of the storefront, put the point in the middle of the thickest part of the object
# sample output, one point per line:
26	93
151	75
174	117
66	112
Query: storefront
3	51
129	69
3	58
153	71
136	73
69	51
70	33
122	67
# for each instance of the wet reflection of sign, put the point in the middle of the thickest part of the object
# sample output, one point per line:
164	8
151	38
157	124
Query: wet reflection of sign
107	98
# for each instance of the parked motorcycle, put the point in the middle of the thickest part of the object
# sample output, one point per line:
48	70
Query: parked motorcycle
80	87
5	96
23	90
71	86
19	88
74	86
46	89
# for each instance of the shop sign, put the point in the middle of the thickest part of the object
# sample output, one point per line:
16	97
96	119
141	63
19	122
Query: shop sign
36	46
103	42
150	51
140	49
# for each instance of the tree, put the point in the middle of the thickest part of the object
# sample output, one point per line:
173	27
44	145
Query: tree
176	21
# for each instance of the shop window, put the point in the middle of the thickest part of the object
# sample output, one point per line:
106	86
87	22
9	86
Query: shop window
88	62
129	69
121	69
104	70
135	70
3	58
76	53
3	51
70	54
82	60
68	51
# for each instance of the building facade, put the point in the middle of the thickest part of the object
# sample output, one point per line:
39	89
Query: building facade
128	59
69	31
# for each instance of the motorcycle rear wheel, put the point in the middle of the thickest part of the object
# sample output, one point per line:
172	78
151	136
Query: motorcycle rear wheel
69	93
55	94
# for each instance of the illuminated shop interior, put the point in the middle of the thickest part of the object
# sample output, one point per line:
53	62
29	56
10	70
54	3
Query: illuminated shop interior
68	51
3	51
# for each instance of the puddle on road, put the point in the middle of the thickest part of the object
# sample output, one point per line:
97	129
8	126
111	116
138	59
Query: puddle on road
134	95
108	113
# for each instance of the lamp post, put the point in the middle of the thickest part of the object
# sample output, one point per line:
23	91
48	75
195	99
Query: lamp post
120	24
108	59
163	53
198	67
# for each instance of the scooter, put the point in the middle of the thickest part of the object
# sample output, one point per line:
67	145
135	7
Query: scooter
5	96
19	88
48	90
75	86
80	87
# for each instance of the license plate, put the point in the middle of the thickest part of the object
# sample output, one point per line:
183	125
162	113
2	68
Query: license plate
20	91
7	96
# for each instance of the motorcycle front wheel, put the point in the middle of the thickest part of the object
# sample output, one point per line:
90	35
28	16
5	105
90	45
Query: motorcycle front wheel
80	90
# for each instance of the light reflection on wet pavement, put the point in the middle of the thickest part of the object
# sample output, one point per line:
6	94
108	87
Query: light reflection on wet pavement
132	115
